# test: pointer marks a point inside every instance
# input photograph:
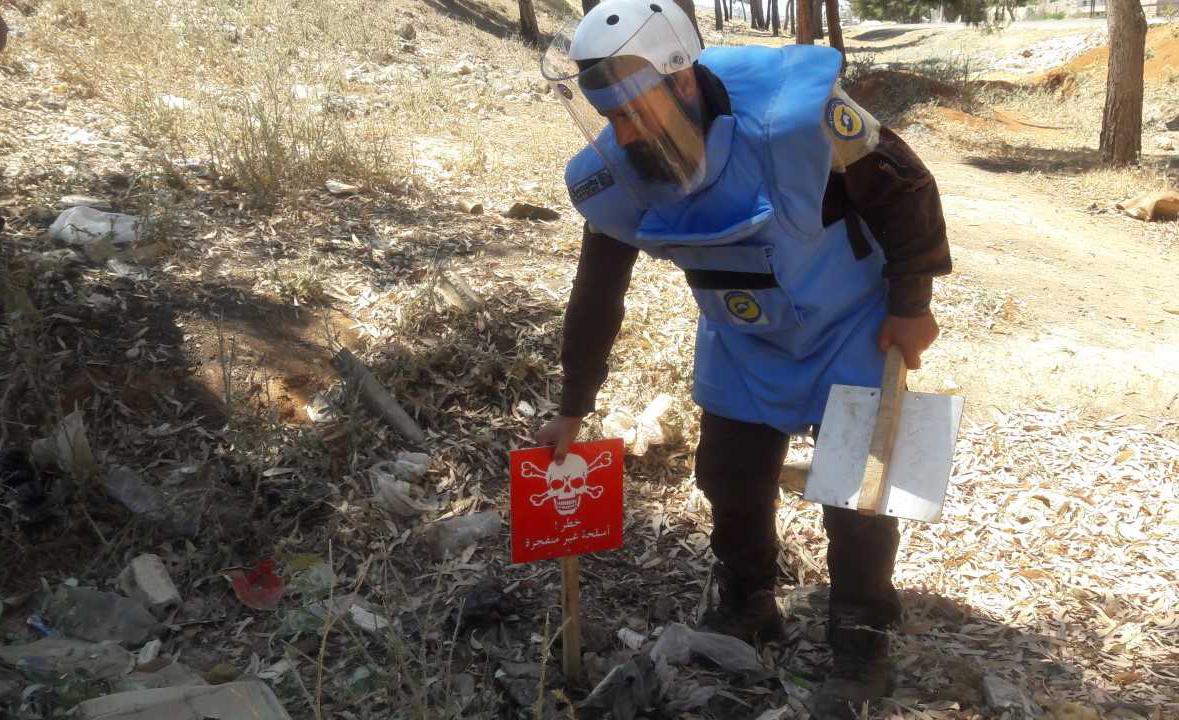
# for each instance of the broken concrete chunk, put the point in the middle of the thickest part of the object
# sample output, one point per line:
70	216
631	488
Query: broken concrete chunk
94	615
448	537
82	225
249	699
52	658
147	580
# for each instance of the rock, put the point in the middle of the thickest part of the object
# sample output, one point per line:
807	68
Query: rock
1164	142
1003	697
1173	123
40	216
96	616
407	32
148	654
52	658
631	639
127	487
83	226
484	604
249	699
448	537
368	620
463	67
526	211
627	690
147	580
174	674
639	433
335	187
175	102
69	201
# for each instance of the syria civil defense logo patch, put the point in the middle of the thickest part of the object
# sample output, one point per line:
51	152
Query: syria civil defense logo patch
844	120
744	307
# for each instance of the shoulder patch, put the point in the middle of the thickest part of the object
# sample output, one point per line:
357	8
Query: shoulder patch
592	185
844	120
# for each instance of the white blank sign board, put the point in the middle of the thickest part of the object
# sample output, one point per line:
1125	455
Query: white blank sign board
922	454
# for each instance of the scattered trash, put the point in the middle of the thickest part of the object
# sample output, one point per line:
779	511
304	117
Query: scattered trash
247	699
470	208
125	486
42	628
462	67
147	580
82	225
312	576
398	496
631	639
94	615
335	187
375	397
172	674
447	537
67	449
527	211
260	588
366	619
52	658
1163	205
1004	697
627	690
678	643
641	432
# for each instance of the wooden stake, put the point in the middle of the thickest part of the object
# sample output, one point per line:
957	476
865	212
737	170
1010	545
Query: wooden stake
892	387
571	618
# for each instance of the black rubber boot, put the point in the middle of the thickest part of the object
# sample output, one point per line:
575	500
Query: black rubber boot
861	669
749	614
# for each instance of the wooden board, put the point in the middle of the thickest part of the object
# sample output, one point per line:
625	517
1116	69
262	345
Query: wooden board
922	455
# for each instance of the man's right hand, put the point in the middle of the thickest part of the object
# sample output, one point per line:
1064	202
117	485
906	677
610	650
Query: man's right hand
561	431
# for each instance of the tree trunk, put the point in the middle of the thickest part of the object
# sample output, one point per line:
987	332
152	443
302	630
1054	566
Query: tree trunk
806	28
756	21
529	30
728	10
775	22
793	31
835	28
718	9
1121	123
816	20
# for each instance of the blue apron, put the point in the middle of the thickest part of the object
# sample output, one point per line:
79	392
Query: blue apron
786	310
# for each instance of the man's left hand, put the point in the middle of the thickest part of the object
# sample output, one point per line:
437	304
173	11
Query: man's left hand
913	335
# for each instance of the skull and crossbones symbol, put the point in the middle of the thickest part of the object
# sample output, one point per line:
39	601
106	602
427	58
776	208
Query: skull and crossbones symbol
567	482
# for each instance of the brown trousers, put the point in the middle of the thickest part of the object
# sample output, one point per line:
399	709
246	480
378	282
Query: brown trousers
737	468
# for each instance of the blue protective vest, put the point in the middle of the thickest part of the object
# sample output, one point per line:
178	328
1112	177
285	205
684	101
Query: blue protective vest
786	309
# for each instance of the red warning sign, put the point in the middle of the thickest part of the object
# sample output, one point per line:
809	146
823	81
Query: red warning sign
567	509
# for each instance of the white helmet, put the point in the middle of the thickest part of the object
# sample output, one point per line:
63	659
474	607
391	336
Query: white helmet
623	27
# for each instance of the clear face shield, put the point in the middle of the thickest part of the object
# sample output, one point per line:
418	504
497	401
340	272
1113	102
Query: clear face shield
645	121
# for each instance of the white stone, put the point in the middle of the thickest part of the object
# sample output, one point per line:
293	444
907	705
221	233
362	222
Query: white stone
147	580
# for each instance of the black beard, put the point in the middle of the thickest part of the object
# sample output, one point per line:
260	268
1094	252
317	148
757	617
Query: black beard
650	164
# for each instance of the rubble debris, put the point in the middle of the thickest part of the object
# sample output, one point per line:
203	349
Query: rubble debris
336	187
374	396
1163	205
94	615
456	293
82	225
1003	697
247	699
678	643
258	588
395	494
53	658
528	211
172	674
627	690
640	432
67	449
147	580
448	537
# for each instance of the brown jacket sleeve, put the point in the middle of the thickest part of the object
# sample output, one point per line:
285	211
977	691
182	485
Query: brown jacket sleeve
593	318
897	197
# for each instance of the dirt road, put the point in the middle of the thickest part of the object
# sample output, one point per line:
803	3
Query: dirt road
1094	315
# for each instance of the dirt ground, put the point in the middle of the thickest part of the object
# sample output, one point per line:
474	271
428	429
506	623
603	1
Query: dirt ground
196	365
